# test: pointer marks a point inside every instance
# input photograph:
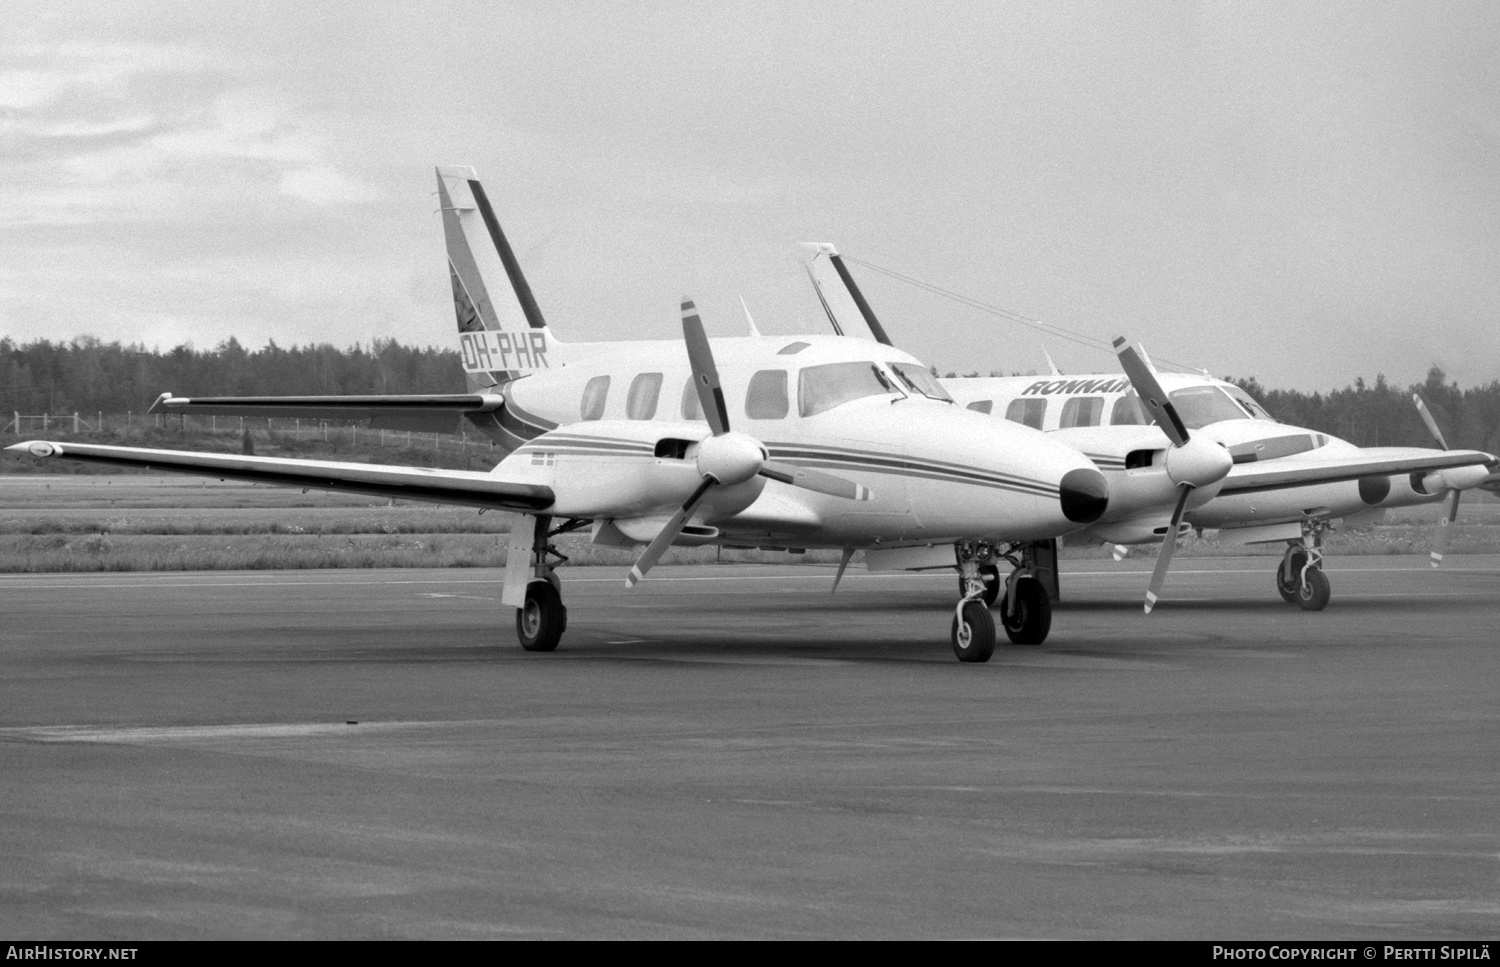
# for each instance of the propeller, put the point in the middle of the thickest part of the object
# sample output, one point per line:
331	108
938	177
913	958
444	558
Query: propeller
1192	462
1445	522
727	457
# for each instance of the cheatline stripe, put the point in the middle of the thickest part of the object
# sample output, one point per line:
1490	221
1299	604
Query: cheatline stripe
913	471
936	470
594	443
534	448
791	449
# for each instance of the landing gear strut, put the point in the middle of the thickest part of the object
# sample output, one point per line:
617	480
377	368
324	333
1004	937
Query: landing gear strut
531	583
1299	578
973	628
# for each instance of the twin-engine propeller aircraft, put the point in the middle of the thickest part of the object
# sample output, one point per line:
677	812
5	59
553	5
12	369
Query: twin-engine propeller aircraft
1279	483
832	443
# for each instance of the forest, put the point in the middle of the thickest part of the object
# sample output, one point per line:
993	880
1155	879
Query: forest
88	376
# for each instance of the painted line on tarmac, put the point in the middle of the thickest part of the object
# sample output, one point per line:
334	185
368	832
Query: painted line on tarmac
83	581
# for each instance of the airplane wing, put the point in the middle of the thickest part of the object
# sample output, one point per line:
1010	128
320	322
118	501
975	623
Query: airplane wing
438	413
1249	478
464	487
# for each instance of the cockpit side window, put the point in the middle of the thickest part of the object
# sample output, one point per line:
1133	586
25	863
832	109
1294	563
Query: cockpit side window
1028	412
640	402
922	381
1128	411
982	406
766	399
821	388
595	392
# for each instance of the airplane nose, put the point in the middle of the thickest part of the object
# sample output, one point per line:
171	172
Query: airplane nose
1084	495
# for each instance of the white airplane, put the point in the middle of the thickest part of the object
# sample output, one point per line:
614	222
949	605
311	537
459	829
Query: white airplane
1286	483
833	443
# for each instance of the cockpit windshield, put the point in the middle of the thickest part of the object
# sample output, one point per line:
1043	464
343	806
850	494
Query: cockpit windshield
1247	401
822	388
1201	405
921	380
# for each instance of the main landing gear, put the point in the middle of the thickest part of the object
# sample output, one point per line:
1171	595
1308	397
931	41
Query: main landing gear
541	617
1025	611
1299	577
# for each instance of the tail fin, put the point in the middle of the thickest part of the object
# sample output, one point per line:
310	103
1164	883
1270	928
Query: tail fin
842	301
501	332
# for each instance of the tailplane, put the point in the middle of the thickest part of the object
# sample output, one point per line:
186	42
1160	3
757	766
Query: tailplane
501	332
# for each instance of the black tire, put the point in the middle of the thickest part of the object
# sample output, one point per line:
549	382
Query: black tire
990	574
1031	619
1314	593
540	622
975	640
1288	589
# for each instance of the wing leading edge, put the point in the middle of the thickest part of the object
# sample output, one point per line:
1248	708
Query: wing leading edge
463	487
1252	478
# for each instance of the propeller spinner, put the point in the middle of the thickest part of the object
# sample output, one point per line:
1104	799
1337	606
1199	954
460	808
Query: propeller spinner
1192	462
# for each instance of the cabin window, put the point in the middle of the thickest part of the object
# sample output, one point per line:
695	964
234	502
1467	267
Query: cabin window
691	409
640	402
792	348
1029	412
1082	411
1201	405
982	406
766	399
821	388
1129	411
921	381
595	392
1247	401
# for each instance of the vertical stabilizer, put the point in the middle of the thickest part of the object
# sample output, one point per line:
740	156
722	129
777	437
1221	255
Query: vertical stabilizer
501	332
841	299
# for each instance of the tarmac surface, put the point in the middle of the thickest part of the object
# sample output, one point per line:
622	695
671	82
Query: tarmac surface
730	752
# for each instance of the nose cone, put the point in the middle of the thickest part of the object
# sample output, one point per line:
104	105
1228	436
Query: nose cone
1084	495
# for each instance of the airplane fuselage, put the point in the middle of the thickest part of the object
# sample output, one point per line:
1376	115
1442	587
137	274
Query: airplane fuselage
614	430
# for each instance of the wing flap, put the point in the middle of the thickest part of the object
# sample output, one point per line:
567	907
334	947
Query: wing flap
464	487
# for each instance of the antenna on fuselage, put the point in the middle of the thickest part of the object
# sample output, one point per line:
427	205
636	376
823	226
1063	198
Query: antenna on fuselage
749	321
1050	364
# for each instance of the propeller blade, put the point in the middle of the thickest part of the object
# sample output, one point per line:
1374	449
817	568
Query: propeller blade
705	373
843	564
658	547
1168	545
1445	526
1149	389
1432	426
823	483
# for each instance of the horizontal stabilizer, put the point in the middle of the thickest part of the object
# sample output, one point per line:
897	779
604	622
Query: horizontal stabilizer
439	413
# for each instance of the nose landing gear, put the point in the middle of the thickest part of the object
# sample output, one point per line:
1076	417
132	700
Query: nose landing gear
1299	577
1025	607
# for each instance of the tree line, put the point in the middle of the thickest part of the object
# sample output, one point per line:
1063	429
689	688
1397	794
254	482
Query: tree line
87	375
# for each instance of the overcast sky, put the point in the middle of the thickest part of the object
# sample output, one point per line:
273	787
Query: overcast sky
1302	192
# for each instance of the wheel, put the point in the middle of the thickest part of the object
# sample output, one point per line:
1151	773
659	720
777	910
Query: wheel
541	621
1031	619
1314	592
991	576
974	637
1288	589
550	576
